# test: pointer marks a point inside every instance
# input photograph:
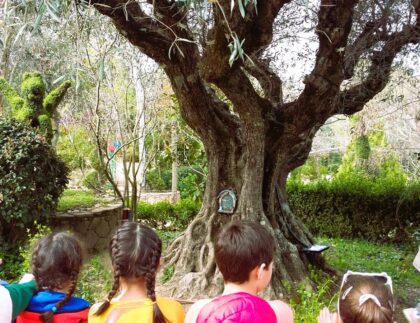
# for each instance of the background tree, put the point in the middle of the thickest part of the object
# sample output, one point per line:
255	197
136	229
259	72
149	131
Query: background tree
253	143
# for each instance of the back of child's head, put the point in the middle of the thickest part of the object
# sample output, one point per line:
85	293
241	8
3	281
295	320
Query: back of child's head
240	247
56	262
366	299
135	252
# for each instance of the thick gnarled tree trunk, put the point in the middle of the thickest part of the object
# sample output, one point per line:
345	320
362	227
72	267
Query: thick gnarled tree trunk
253	143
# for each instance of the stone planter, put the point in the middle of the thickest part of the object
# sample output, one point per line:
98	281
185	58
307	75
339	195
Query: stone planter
94	227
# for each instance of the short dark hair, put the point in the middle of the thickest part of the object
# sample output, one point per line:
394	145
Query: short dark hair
241	246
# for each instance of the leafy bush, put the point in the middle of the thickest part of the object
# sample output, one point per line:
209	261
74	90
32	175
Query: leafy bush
11	269
308	302
92	180
191	181
358	207
95	280
32	177
17	257
159	180
166	215
75	148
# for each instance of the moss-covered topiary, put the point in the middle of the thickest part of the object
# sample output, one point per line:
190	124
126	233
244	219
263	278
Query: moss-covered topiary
33	105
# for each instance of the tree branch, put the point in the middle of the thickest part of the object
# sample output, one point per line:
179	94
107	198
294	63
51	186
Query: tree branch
151	35
257	26
256	29
352	100
246	101
269	81
335	20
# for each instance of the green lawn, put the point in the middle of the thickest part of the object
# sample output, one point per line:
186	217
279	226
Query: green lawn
76	198
360	255
364	256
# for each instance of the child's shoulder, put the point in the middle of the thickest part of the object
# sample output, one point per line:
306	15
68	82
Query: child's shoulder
195	309
168	302
282	310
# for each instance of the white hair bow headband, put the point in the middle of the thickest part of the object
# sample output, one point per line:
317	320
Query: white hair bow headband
363	298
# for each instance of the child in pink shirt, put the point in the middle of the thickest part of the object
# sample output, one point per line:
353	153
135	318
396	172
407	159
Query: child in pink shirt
244	255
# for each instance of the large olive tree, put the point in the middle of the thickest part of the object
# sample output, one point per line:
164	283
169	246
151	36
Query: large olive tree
253	138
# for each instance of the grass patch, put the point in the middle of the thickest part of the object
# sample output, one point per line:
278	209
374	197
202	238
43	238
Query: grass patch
95	280
361	255
364	256
76	198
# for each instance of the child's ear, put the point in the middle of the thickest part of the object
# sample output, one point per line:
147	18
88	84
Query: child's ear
261	269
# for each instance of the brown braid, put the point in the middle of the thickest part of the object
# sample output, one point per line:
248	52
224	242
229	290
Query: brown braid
158	316
47	317
135	251
115	255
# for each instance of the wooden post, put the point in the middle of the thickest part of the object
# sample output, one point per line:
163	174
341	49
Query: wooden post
174	153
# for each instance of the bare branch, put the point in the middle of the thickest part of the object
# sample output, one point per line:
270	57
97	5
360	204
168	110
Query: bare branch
152	36
334	25
352	100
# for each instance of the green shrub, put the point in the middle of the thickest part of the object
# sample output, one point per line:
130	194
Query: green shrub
308	302
159	180
92	180
191	183
358	207
95	279
32	177
166	215
17	257
75	148
11	269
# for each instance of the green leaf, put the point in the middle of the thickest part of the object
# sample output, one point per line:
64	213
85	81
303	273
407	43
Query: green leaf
37	23
20	32
232	57
53	11
101	70
241	8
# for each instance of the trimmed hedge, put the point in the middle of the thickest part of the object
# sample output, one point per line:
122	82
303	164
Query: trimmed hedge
385	212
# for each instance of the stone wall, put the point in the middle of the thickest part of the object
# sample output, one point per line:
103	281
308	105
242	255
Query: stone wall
94	227
155	197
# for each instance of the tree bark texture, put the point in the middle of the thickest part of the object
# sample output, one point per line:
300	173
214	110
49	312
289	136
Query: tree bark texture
254	141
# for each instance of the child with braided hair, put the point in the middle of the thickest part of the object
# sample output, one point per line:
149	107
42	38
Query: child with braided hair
56	262
135	252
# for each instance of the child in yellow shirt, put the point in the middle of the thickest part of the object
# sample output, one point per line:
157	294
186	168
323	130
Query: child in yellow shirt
135	252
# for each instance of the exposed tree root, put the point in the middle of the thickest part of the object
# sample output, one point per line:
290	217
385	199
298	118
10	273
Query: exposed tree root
196	275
